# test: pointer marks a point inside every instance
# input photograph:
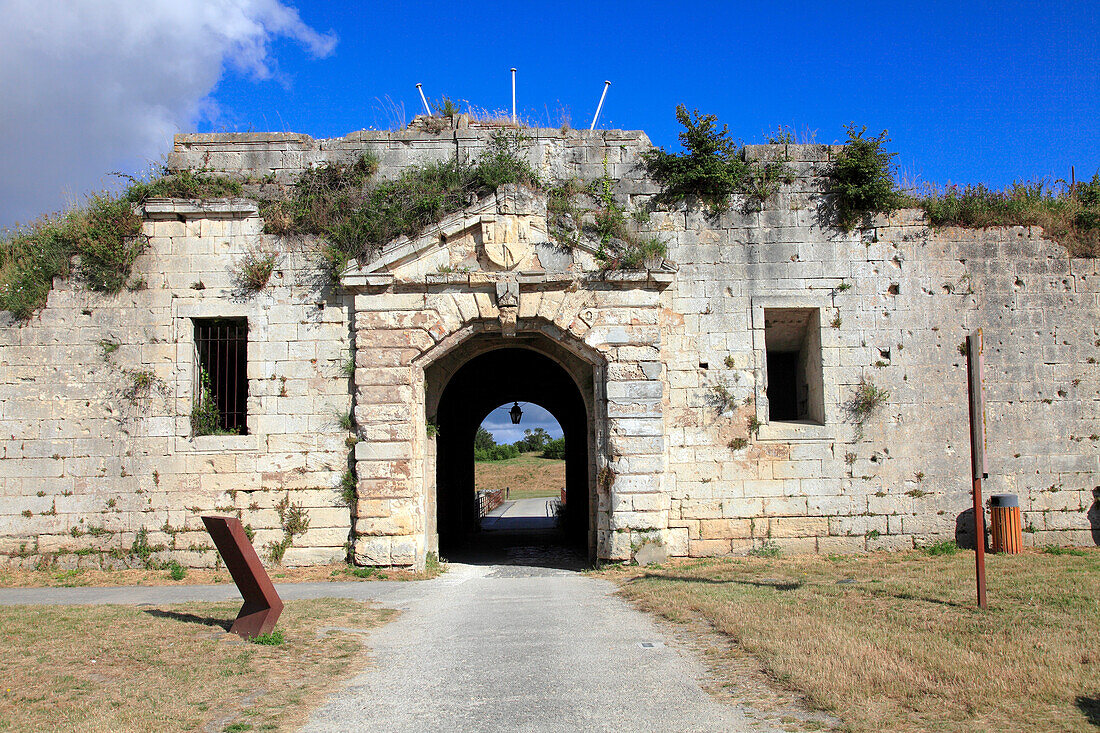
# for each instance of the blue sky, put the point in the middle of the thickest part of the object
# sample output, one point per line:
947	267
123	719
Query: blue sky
499	422
988	92
970	92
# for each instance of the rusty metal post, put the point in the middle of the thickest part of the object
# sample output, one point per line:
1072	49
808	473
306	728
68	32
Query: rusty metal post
262	604
978	466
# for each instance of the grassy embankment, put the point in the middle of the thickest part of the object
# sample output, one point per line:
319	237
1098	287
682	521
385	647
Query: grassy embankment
894	642
530	476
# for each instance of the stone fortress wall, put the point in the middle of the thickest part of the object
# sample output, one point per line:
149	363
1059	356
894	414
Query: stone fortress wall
96	391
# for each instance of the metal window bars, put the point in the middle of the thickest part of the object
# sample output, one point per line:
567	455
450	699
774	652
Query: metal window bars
221	353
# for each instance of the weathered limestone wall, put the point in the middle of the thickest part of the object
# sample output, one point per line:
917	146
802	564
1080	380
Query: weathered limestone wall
278	158
685	451
896	301
90	457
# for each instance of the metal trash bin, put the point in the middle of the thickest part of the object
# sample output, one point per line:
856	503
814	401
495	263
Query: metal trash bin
1005	524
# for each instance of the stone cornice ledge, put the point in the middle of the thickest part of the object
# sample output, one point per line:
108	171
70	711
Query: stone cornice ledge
179	209
355	279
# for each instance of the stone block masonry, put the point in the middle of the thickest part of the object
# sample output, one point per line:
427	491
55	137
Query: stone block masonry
98	451
703	441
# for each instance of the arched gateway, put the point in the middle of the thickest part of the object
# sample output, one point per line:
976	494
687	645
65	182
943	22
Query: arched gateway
471	379
522	319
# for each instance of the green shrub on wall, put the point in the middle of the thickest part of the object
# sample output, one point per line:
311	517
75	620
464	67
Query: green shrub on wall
355	217
105	233
862	178
712	167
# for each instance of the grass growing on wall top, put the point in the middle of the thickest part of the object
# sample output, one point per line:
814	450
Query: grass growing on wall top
105	233
1069	215
356	217
864	183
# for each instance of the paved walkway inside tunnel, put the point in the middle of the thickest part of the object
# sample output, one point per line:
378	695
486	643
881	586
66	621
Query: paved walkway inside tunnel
521	532
521	515
492	648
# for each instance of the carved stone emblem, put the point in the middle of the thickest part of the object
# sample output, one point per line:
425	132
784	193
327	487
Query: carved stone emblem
506	239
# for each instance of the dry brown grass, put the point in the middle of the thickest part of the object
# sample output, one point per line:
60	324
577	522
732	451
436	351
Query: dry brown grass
899	644
171	668
530	476
56	577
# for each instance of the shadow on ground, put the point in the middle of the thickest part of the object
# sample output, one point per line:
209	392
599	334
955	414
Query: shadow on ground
536	548
1090	706
191	618
772	583
523	533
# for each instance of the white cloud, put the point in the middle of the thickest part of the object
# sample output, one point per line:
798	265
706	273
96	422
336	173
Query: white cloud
88	87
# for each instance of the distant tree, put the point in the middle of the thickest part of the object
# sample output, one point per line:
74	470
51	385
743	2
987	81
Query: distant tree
554	449
496	453
483	440
533	440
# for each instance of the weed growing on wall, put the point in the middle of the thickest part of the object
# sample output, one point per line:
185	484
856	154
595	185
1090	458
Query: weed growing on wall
712	167
620	248
768	549
105	233
253	271
563	215
205	416
140	384
294	521
862	178
142	551
865	401
346	420
348	485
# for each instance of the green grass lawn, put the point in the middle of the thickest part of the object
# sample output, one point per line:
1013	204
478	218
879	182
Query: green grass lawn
529	476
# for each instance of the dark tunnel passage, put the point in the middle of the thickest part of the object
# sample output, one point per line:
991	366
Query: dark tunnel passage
477	387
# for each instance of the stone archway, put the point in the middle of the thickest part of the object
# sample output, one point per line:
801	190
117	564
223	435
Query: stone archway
486	369
414	329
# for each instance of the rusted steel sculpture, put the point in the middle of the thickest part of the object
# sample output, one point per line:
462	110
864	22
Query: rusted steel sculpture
262	604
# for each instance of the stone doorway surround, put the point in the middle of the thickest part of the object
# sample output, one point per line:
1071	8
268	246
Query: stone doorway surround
412	309
470	378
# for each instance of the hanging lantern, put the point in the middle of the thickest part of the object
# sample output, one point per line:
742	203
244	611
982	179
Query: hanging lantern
516	413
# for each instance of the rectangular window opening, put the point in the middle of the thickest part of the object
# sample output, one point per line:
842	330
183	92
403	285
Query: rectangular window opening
792	338
221	376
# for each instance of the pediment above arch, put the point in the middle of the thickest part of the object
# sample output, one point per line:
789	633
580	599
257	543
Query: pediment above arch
503	232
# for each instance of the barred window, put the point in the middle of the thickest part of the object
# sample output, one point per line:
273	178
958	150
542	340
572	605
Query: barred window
221	378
